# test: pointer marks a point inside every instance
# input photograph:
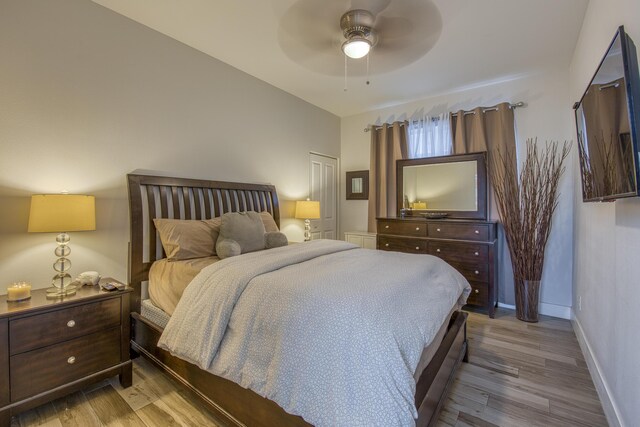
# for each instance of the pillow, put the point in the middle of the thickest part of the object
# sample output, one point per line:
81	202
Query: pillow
186	238
246	228
275	239
227	248
268	221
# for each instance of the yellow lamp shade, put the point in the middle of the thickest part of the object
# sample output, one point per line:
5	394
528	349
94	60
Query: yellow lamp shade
419	205
62	212
307	209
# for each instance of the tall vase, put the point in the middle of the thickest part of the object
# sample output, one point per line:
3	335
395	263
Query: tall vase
527	299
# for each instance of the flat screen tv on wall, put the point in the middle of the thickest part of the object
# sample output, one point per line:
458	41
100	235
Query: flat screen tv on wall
607	120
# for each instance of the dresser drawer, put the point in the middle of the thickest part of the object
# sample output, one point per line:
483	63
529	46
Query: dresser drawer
401	244
40	370
53	327
403	228
459	251
445	230
479	294
472	271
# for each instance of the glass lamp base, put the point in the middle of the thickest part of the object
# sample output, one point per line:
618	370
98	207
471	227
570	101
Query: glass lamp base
55	292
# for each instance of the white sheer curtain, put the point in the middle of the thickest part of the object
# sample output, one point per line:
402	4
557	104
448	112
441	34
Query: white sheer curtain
429	137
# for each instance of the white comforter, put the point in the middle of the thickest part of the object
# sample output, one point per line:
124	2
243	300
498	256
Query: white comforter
329	332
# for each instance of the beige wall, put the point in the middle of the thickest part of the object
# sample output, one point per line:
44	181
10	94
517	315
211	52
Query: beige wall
87	96
548	116
607	245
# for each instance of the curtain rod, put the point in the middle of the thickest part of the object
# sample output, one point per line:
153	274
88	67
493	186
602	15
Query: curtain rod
484	110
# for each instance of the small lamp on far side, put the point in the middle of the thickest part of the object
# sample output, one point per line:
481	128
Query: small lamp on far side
307	210
60	213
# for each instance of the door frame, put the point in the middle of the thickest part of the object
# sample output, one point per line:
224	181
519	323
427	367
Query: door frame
337	191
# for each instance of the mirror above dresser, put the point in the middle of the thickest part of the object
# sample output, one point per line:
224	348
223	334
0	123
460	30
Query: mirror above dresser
454	185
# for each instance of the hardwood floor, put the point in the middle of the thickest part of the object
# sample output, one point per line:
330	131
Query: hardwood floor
519	374
522	374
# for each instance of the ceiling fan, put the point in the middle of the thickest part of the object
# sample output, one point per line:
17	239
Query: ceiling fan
317	34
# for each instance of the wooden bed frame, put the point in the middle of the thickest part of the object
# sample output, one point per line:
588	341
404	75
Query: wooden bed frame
164	197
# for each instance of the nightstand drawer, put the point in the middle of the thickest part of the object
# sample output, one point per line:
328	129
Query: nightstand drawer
41	330
43	369
403	228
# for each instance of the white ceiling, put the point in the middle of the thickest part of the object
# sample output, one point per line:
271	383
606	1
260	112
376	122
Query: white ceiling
479	41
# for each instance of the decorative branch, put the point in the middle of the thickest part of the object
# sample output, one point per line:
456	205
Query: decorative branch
526	203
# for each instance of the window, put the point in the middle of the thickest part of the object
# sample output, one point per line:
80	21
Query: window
430	137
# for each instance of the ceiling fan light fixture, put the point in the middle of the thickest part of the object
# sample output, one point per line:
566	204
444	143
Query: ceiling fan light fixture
356	47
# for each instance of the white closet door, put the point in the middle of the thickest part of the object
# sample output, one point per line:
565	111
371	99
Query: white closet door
324	188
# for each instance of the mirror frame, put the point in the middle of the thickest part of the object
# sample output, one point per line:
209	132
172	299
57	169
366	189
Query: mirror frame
364	176
481	171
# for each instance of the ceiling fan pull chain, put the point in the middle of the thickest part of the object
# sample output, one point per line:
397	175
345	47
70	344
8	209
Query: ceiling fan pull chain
345	73
368	56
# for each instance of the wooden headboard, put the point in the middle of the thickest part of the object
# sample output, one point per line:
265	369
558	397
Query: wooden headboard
181	198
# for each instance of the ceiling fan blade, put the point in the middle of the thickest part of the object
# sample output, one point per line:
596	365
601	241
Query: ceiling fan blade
373	6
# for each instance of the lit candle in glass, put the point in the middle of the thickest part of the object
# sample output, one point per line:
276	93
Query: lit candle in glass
19	291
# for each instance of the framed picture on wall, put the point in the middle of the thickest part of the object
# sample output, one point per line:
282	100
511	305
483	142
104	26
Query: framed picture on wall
358	185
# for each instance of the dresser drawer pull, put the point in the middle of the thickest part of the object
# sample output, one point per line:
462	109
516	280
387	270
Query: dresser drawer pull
71	360
438	230
476	253
477	272
477	291
438	250
386	245
477	231
417	248
386	226
71	323
417	228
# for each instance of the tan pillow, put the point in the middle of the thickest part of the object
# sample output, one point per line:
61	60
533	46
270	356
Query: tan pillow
268	221
186	238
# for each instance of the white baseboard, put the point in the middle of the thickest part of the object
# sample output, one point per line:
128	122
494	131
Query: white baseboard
547	309
604	392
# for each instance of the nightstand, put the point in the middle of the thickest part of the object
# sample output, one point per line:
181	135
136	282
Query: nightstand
52	347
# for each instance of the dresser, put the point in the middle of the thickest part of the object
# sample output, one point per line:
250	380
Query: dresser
50	348
467	245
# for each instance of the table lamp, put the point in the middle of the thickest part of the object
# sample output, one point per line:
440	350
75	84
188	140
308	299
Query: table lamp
307	210
61	213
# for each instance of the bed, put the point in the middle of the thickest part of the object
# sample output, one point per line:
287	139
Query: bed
165	197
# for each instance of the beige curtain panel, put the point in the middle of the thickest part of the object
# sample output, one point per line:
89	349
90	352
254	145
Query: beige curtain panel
388	144
491	130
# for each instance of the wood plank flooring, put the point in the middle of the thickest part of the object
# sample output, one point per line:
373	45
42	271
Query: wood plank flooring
519	374
522	374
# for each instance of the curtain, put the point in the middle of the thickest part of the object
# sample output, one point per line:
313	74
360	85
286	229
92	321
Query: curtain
492	131
388	144
429	137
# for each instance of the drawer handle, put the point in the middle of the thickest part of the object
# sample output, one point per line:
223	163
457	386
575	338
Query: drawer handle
386	245
477	272
438	250
71	323
476	253
437	229
477	291
71	360
417	228
417	248
477	231
386	226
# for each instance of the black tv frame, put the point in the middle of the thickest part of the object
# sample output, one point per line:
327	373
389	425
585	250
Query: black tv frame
632	86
